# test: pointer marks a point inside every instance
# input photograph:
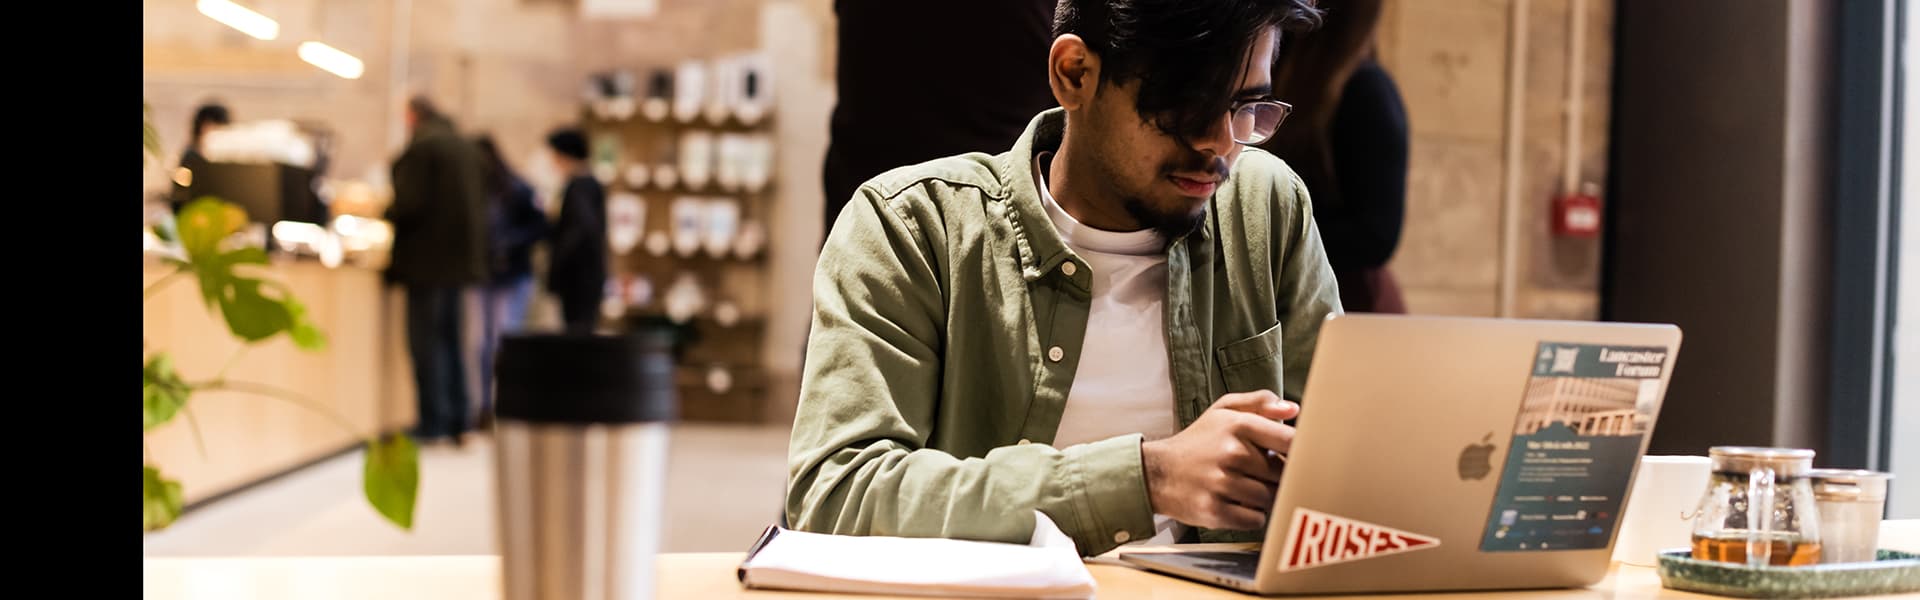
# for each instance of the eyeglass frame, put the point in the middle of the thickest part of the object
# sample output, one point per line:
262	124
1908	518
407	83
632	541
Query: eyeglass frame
1239	105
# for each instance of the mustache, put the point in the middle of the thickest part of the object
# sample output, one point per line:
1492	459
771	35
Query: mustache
1215	166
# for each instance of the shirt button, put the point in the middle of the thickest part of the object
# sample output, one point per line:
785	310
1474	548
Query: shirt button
1068	268
1025	441
1121	537
1055	354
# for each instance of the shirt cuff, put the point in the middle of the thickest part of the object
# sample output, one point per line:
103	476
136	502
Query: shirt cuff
1112	494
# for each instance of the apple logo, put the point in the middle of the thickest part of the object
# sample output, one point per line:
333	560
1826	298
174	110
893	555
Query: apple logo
1475	459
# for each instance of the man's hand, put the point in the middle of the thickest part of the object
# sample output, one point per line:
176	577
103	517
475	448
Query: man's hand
1216	473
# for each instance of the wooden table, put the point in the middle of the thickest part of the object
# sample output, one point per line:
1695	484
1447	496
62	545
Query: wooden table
711	575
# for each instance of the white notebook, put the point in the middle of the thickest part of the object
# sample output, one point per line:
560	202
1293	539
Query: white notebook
1048	567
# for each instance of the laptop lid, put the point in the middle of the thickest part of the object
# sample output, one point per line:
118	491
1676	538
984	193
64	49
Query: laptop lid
1445	453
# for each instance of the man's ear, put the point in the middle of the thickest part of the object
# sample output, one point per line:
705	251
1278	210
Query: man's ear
1073	70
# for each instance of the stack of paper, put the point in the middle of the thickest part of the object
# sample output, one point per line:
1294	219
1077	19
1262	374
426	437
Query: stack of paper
1049	567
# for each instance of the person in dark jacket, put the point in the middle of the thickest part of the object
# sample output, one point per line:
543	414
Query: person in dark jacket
577	272
439	248
515	223
208	117
910	93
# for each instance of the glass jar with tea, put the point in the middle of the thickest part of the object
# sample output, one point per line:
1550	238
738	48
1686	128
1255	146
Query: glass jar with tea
1758	509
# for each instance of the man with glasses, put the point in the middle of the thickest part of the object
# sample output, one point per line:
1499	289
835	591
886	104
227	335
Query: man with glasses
1096	326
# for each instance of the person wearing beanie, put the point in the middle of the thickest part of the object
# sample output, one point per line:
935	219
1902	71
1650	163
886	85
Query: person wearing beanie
577	271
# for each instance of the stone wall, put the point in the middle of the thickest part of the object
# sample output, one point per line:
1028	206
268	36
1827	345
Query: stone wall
1451	61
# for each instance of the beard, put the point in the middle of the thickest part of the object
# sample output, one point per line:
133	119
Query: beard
1172	223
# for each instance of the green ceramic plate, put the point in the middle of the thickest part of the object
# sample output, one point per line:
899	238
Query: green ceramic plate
1891	573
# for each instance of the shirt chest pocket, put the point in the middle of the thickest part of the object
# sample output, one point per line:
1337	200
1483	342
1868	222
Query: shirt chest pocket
1253	363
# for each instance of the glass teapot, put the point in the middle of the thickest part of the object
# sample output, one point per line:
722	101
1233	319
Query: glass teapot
1758	508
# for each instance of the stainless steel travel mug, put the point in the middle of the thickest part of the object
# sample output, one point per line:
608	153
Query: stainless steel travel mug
581	428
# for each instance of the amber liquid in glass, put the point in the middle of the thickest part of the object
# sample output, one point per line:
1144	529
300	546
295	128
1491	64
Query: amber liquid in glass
1788	551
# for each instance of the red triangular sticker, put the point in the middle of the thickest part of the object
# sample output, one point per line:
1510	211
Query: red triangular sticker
1318	539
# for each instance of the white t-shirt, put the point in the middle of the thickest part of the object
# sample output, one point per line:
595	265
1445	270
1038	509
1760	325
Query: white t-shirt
1123	384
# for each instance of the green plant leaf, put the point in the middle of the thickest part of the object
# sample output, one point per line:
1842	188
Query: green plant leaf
163	392
304	333
162	500
204	223
251	314
392	478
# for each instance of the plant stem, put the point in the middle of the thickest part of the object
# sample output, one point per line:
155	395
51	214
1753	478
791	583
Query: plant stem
157	285
262	389
199	441
230	362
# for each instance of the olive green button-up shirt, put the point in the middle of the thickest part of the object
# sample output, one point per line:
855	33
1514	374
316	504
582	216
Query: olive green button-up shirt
946	335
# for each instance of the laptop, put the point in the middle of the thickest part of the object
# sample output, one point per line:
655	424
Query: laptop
1444	453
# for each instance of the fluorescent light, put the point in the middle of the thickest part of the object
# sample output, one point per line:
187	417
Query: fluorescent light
239	17
332	59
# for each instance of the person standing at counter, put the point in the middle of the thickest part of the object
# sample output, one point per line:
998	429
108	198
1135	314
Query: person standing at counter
439	248
577	273
1105	325
208	117
515	224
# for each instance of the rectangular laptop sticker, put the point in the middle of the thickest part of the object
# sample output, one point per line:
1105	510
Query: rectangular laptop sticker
1578	435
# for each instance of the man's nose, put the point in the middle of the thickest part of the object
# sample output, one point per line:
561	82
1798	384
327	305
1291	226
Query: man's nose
1218	138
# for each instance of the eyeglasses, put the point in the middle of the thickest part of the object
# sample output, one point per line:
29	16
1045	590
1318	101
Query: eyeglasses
1255	121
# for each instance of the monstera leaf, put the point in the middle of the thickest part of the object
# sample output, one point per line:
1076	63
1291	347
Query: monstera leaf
255	309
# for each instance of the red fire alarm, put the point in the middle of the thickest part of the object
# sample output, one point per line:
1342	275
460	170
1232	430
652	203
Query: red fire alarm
1578	215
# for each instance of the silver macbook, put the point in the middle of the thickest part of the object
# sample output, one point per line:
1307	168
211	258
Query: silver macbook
1441	453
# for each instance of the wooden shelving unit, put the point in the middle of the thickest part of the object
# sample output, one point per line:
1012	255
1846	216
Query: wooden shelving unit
713	346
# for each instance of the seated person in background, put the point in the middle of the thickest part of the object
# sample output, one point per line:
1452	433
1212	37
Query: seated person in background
1092	325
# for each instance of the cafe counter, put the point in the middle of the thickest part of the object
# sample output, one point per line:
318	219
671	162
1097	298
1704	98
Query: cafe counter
226	440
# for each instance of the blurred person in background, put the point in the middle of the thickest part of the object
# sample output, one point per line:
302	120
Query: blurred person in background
439	217
1347	139
577	271
909	92
515	223
207	118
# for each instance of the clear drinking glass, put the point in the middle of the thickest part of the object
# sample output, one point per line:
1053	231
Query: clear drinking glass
1851	506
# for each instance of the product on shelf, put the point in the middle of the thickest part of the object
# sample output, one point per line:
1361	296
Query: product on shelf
719	379
753	236
722	225
689	90
637	175
665	176
689	224
696	157
754	98
658	244
756	162
726	313
626	218
685	298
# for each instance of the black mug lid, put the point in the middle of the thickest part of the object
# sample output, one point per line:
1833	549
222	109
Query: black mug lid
580	379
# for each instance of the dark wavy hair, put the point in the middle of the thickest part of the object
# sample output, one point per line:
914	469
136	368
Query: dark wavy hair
1186	54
